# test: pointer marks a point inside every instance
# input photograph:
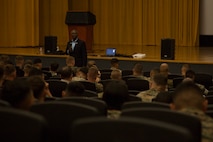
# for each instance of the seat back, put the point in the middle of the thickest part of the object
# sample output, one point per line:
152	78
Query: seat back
204	79
177	81
140	104
192	123
137	84
127	130
88	93
60	115
89	85
98	104
21	126
126	72
210	99
125	78
56	87
106	82
105	75
172	76
4	103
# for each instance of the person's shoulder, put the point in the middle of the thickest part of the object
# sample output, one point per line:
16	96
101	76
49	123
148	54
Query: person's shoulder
80	41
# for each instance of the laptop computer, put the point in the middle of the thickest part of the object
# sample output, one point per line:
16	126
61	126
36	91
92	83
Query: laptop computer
110	52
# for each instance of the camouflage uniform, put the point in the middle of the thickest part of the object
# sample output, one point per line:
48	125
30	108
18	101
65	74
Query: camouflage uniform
206	121
143	77
148	95
99	87
113	114
202	87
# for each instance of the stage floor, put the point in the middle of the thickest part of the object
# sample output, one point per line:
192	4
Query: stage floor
193	55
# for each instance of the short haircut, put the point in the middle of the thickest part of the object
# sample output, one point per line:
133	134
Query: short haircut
188	95
28	62
90	63
115	94
114	61
93	72
9	69
138	68
37	84
116	74
35	71
19	59
186	66
75	88
66	72
27	68
37	60
15	92
155	70
70	59
190	74
160	79
54	66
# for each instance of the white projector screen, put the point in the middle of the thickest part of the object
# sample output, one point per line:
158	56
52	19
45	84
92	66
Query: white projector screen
206	17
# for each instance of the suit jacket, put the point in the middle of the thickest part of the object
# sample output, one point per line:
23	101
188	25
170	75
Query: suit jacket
79	52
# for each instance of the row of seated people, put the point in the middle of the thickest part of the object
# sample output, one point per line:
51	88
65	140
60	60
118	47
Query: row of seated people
187	98
86	75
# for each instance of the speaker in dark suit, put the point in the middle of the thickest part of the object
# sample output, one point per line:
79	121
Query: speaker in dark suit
50	44
168	49
77	49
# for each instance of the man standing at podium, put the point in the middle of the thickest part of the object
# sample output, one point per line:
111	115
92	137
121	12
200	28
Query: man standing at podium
77	49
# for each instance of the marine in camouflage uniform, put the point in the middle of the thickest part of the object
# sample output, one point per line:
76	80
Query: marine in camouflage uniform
206	121
157	85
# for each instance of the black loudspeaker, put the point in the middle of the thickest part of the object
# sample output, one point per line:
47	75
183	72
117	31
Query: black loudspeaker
80	18
50	44
168	49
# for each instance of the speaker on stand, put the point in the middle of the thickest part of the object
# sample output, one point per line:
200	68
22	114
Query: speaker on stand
50	44
168	49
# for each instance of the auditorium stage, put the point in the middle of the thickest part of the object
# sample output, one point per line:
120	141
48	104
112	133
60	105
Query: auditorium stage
200	58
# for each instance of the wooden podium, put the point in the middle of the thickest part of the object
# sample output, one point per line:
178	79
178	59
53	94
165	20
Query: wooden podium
82	22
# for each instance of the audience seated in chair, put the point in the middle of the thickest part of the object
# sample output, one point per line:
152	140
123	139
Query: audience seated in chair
164	69
19	64
4	59
158	84
91	63
38	72
92	76
116	74
39	87
27	68
18	93
74	89
188	98
81	74
184	69
153	72
138	71
54	69
37	63
70	62
66	74
190	76
9	73
115	94
114	64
